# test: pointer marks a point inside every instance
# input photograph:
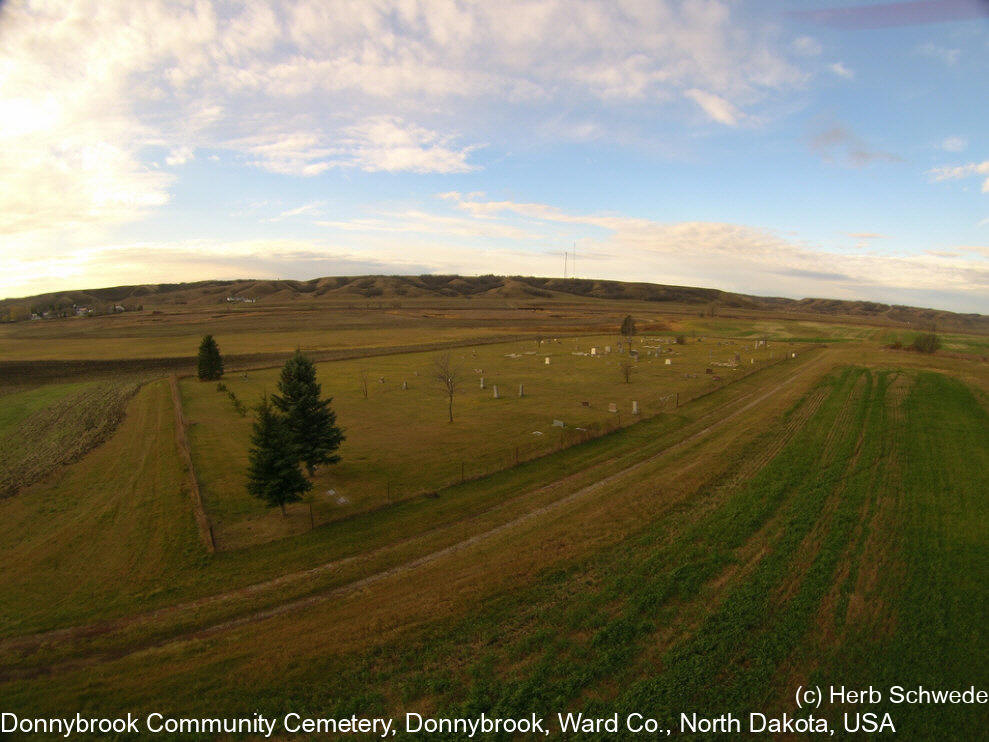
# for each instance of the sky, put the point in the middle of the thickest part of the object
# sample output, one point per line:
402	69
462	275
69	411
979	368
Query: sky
799	149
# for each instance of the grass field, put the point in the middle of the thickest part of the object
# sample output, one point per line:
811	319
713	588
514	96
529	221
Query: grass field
399	443
848	540
814	521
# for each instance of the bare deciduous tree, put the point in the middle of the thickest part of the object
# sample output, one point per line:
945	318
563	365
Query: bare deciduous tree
447	374
626	368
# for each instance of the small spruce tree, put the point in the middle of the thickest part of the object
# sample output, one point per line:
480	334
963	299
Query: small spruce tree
210	360
628	329
273	468
311	422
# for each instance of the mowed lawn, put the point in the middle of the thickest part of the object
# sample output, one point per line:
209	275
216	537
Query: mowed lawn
400	443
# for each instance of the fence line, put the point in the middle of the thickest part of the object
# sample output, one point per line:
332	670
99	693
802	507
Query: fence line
202	521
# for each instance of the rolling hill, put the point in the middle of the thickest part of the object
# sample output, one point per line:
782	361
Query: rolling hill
489	288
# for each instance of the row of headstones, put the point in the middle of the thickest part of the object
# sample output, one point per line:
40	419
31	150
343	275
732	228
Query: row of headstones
494	388
612	407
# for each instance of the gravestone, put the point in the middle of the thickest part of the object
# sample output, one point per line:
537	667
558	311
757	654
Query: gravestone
594	351
405	385
546	361
559	424
607	349
709	370
496	392
612	407
482	382
521	390
669	361
635	407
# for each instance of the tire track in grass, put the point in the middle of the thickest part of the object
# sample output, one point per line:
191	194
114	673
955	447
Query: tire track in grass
690	613
847	422
613	654
735	651
830	619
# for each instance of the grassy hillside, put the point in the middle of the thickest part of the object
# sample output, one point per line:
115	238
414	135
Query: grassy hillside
482	290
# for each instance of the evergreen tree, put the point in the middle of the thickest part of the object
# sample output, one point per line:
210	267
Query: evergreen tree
210	361
628	327
311	422
273	470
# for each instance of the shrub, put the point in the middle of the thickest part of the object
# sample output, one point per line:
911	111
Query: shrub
926	343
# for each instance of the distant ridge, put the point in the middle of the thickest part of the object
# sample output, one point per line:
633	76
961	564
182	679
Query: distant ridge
515	288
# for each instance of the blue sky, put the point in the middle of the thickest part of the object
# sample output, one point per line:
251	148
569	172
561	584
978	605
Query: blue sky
793	149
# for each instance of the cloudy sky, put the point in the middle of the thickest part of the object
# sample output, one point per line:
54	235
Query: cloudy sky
782	148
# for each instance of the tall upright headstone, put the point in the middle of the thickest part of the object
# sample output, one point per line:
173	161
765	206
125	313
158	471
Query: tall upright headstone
635	407
495	387
521	390
482	382
546	361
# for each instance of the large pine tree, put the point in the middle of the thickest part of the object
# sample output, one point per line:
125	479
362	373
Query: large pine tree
273	473
210	360
311	421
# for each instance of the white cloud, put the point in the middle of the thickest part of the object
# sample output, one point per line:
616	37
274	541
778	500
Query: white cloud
382	143
954	144
303	86
389	144
716	107
864	239
807	46
474	234
748	259
940	53
955	172
180	156
841	70
309	209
